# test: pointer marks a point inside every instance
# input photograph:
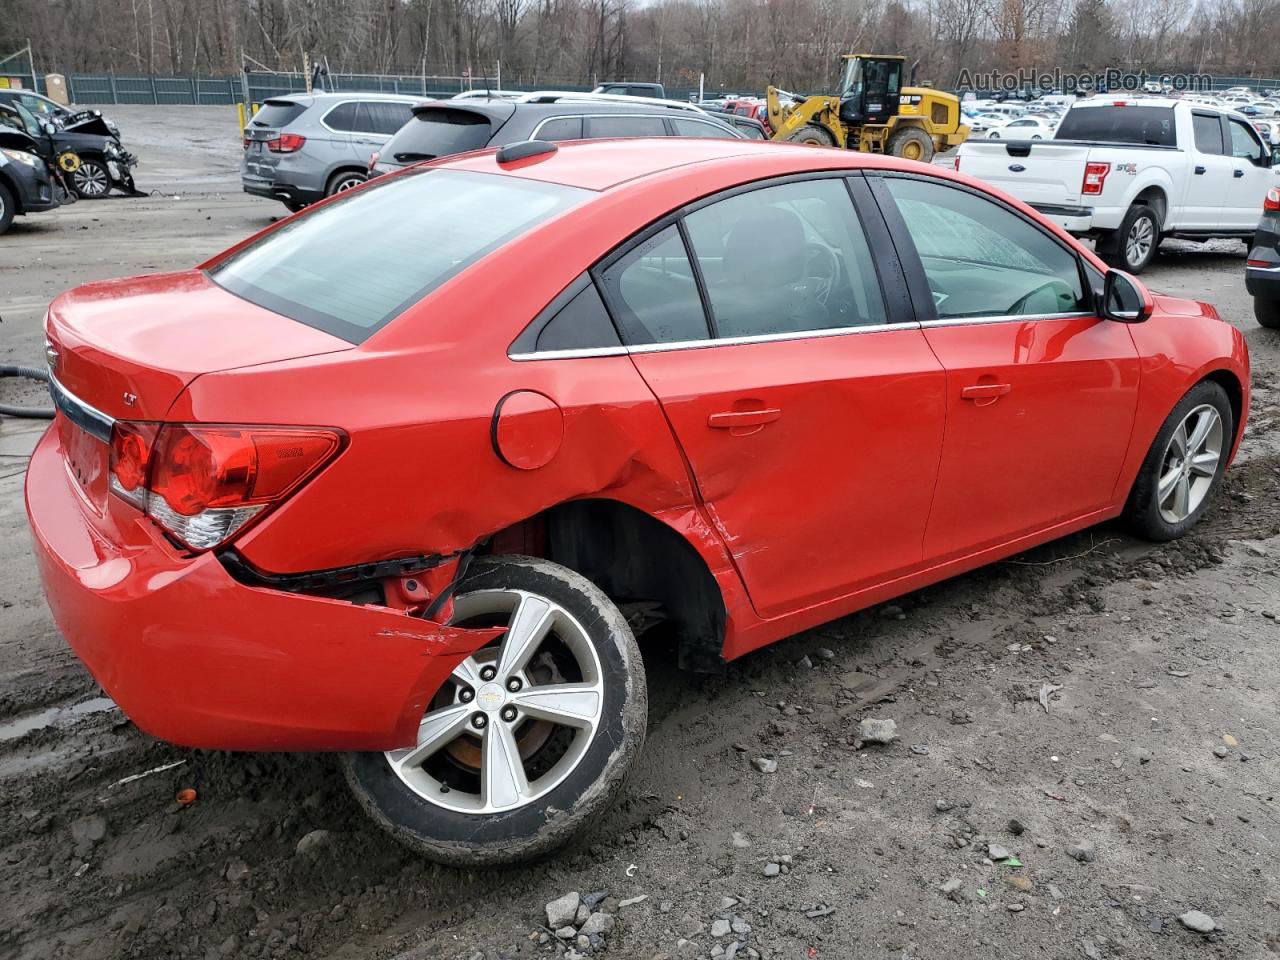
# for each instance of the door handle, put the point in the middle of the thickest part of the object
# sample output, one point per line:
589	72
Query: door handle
1199	171
985	391
1238	174
730	419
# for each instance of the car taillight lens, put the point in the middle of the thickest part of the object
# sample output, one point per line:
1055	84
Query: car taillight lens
247	141
286	143
202	483
1272	202
1095	175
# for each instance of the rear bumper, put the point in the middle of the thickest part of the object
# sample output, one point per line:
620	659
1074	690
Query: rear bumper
274	190
196	658
1079	220
1263	282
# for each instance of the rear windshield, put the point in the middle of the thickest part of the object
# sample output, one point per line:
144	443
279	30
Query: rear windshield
277	113
437	133
1127	124
353	265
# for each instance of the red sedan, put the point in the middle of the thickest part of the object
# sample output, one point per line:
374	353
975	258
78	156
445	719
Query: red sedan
403	475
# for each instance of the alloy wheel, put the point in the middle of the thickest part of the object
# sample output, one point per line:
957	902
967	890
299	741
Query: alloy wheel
1190	464
347	183
1138	243
515	718
90	179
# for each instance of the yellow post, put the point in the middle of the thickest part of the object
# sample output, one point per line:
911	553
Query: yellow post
240	114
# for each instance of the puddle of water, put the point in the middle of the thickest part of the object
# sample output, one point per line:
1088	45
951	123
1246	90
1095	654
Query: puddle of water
53	717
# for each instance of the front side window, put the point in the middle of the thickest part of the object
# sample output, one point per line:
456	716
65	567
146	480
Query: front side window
789	258
983	260
353	265
1244	144
653	293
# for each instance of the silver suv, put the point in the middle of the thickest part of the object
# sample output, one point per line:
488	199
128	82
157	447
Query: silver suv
303	147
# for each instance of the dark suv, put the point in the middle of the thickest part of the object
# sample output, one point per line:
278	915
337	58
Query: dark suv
443	127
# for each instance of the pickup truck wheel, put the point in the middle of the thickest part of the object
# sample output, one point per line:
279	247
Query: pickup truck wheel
1137	239
7	208
911	143
812	135
1267	312
1183	466
532	737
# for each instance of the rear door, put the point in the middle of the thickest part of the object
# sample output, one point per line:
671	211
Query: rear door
1040	391
804	396
1210	173
1251	175
337	127
376	121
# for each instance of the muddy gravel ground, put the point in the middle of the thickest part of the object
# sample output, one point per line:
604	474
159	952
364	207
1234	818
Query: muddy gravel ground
1099	696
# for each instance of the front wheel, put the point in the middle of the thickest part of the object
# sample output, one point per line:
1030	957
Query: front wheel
91	180
1267	313
1183	466
531	738
812	135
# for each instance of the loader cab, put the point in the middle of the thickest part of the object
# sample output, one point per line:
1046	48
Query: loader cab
870	90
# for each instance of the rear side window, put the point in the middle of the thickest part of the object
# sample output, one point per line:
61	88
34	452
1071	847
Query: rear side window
1151	126
653	292
384	117
1208	132
354	264
603	127
699	128
277	113
583	323
438	132
560	128
342	117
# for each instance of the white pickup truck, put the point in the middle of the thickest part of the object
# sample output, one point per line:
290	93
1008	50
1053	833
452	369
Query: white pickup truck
1130	172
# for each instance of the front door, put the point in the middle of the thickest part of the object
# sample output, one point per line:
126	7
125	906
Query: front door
1041	392
1251	175
810	413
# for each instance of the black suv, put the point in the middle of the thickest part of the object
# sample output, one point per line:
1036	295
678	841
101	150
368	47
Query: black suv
25	184
1262	269
443	127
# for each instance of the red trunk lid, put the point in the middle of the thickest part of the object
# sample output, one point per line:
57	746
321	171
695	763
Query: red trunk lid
128	347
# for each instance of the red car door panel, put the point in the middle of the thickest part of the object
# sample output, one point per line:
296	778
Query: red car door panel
815	458
1039	413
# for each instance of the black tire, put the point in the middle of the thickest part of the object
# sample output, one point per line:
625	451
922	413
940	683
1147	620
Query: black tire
91	180
904	141
293	206
556	817
8	209
1142	511
344	180
1266	312
1140	220
813	135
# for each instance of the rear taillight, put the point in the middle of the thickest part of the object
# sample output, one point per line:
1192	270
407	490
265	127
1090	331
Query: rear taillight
202	483
956	164
1272	202
1095	175
247	141
286	143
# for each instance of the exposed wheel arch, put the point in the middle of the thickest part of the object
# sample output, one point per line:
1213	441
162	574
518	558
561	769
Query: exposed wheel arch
1155	198
1235	396
633	558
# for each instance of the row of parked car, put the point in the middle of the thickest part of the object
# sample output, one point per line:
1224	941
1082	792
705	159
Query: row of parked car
301	148
51	154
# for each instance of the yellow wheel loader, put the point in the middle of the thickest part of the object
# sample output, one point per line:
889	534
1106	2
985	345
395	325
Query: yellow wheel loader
873	113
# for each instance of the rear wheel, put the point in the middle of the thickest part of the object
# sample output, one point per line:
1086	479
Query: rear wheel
1267	312
813	135
911	143
1183	466
7	208
531	738
1137	239
344	180
293	206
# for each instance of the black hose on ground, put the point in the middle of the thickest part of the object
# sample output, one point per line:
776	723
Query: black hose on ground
31	373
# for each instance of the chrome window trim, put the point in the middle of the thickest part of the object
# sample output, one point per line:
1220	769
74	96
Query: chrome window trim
90	419
1004	318
586	352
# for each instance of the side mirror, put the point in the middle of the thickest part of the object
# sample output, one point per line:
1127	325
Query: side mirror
1124	299
49	129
